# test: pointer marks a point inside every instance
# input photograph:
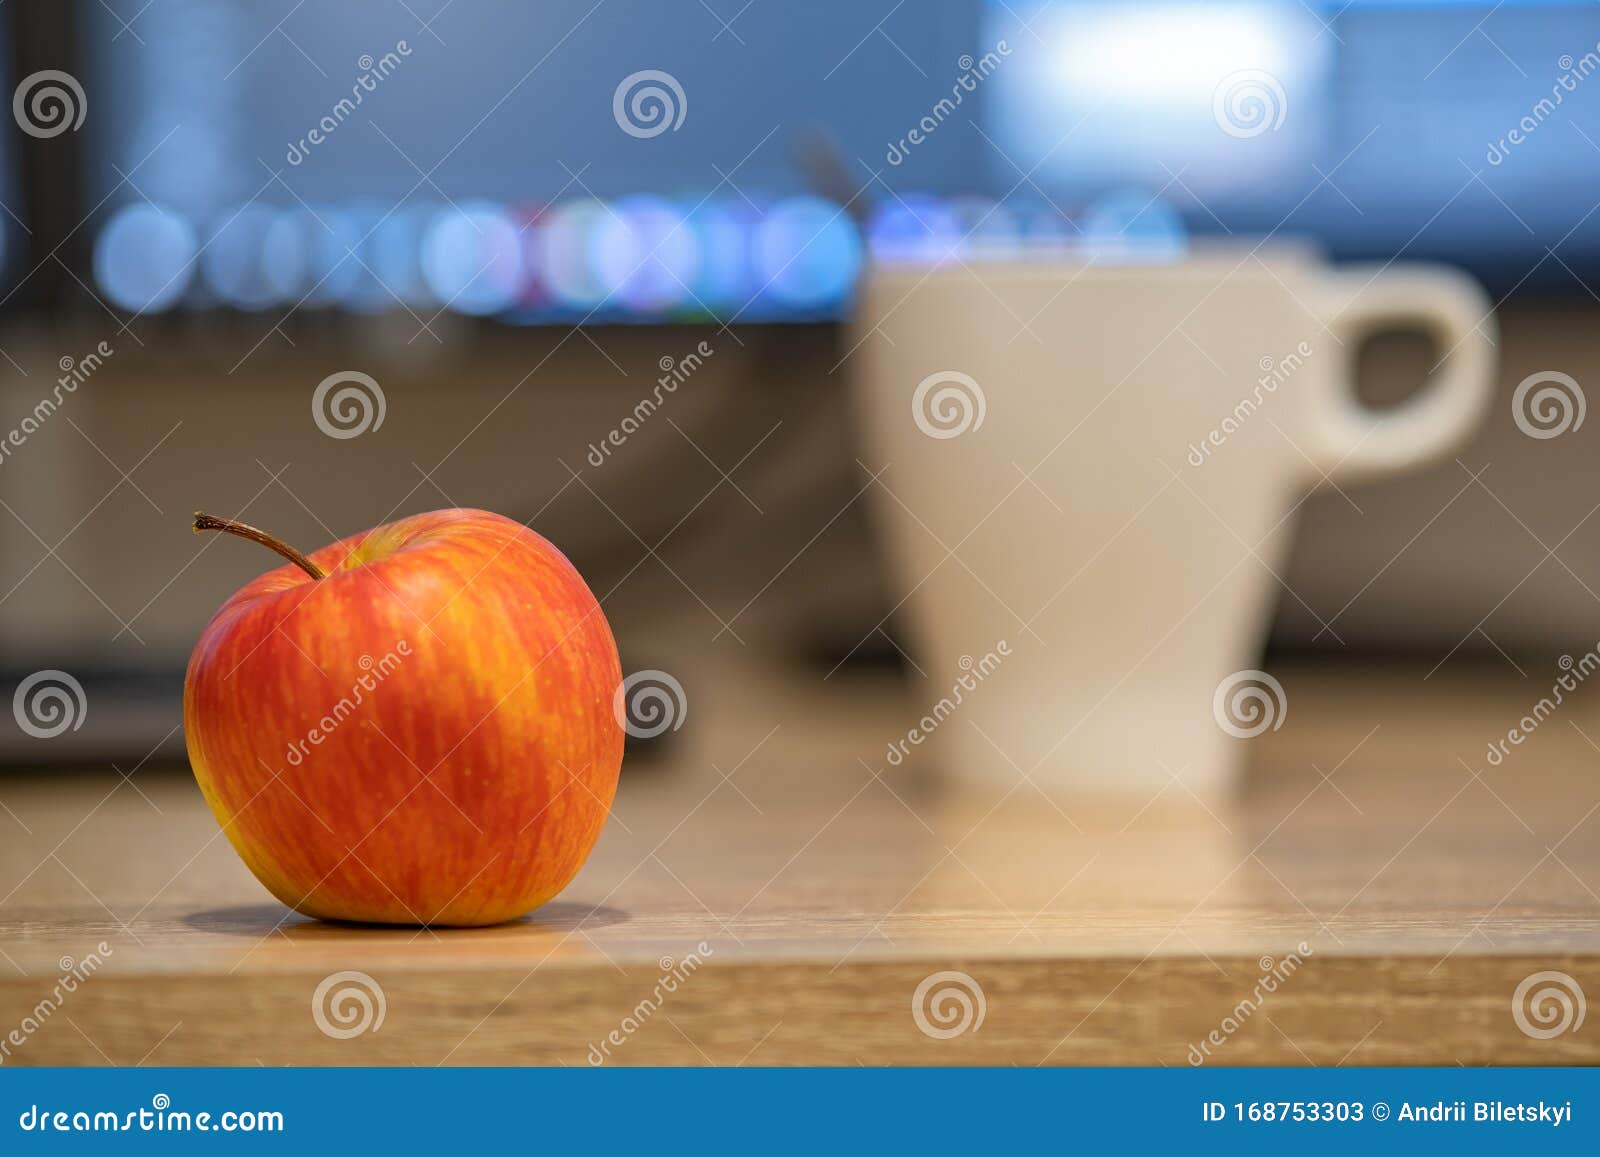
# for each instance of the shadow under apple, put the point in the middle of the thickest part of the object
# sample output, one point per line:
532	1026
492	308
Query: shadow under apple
264	919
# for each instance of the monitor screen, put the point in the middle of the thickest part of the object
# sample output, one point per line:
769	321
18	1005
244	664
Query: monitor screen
627	161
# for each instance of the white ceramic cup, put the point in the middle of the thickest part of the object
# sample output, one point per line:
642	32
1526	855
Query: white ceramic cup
1088	481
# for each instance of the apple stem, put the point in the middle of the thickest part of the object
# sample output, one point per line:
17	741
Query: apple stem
204	522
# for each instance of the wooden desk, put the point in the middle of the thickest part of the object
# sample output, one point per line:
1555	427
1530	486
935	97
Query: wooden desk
816	896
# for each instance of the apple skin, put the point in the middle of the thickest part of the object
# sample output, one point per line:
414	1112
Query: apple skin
467	673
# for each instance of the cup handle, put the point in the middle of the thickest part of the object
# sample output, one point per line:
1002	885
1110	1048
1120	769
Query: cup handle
1355	441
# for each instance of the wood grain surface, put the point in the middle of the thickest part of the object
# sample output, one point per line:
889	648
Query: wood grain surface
1396	886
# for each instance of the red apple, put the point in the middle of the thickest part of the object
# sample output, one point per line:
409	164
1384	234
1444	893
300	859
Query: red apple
411	726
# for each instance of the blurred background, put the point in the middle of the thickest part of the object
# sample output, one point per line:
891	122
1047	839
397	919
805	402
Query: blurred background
519	221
